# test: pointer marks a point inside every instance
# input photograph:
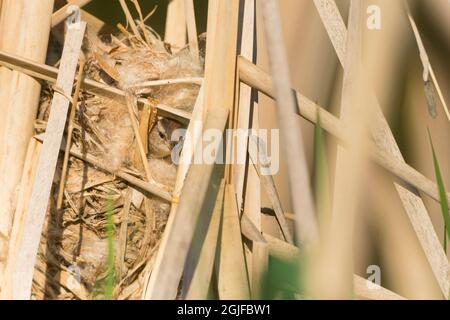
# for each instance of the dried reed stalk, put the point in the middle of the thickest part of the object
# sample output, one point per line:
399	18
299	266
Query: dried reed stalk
200	279
220	69
260	267
165	82
47	73
250	230
191	27
24	28
246	103
22	278
221	54
252	209
291	136
187	154
259	262
232	280
367	290
76	95
245	176
26	183
175	24
62	14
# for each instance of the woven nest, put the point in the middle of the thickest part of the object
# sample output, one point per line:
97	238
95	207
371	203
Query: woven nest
73	255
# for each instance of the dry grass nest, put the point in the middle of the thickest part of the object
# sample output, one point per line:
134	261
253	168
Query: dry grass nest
72	259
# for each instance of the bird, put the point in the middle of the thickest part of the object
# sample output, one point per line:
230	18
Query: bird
160	143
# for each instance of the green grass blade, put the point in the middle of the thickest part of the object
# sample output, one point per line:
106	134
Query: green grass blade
442	192
445	239
110	259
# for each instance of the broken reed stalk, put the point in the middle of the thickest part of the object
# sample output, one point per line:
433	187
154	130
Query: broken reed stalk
62	14
34	220
385	140
191	27
47	73
25	28
291	136
175	25
71	120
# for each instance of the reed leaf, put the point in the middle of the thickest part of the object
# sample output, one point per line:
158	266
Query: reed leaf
442	192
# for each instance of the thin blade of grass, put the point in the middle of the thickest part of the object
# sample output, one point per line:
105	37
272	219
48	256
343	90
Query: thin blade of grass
110	276
442	192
